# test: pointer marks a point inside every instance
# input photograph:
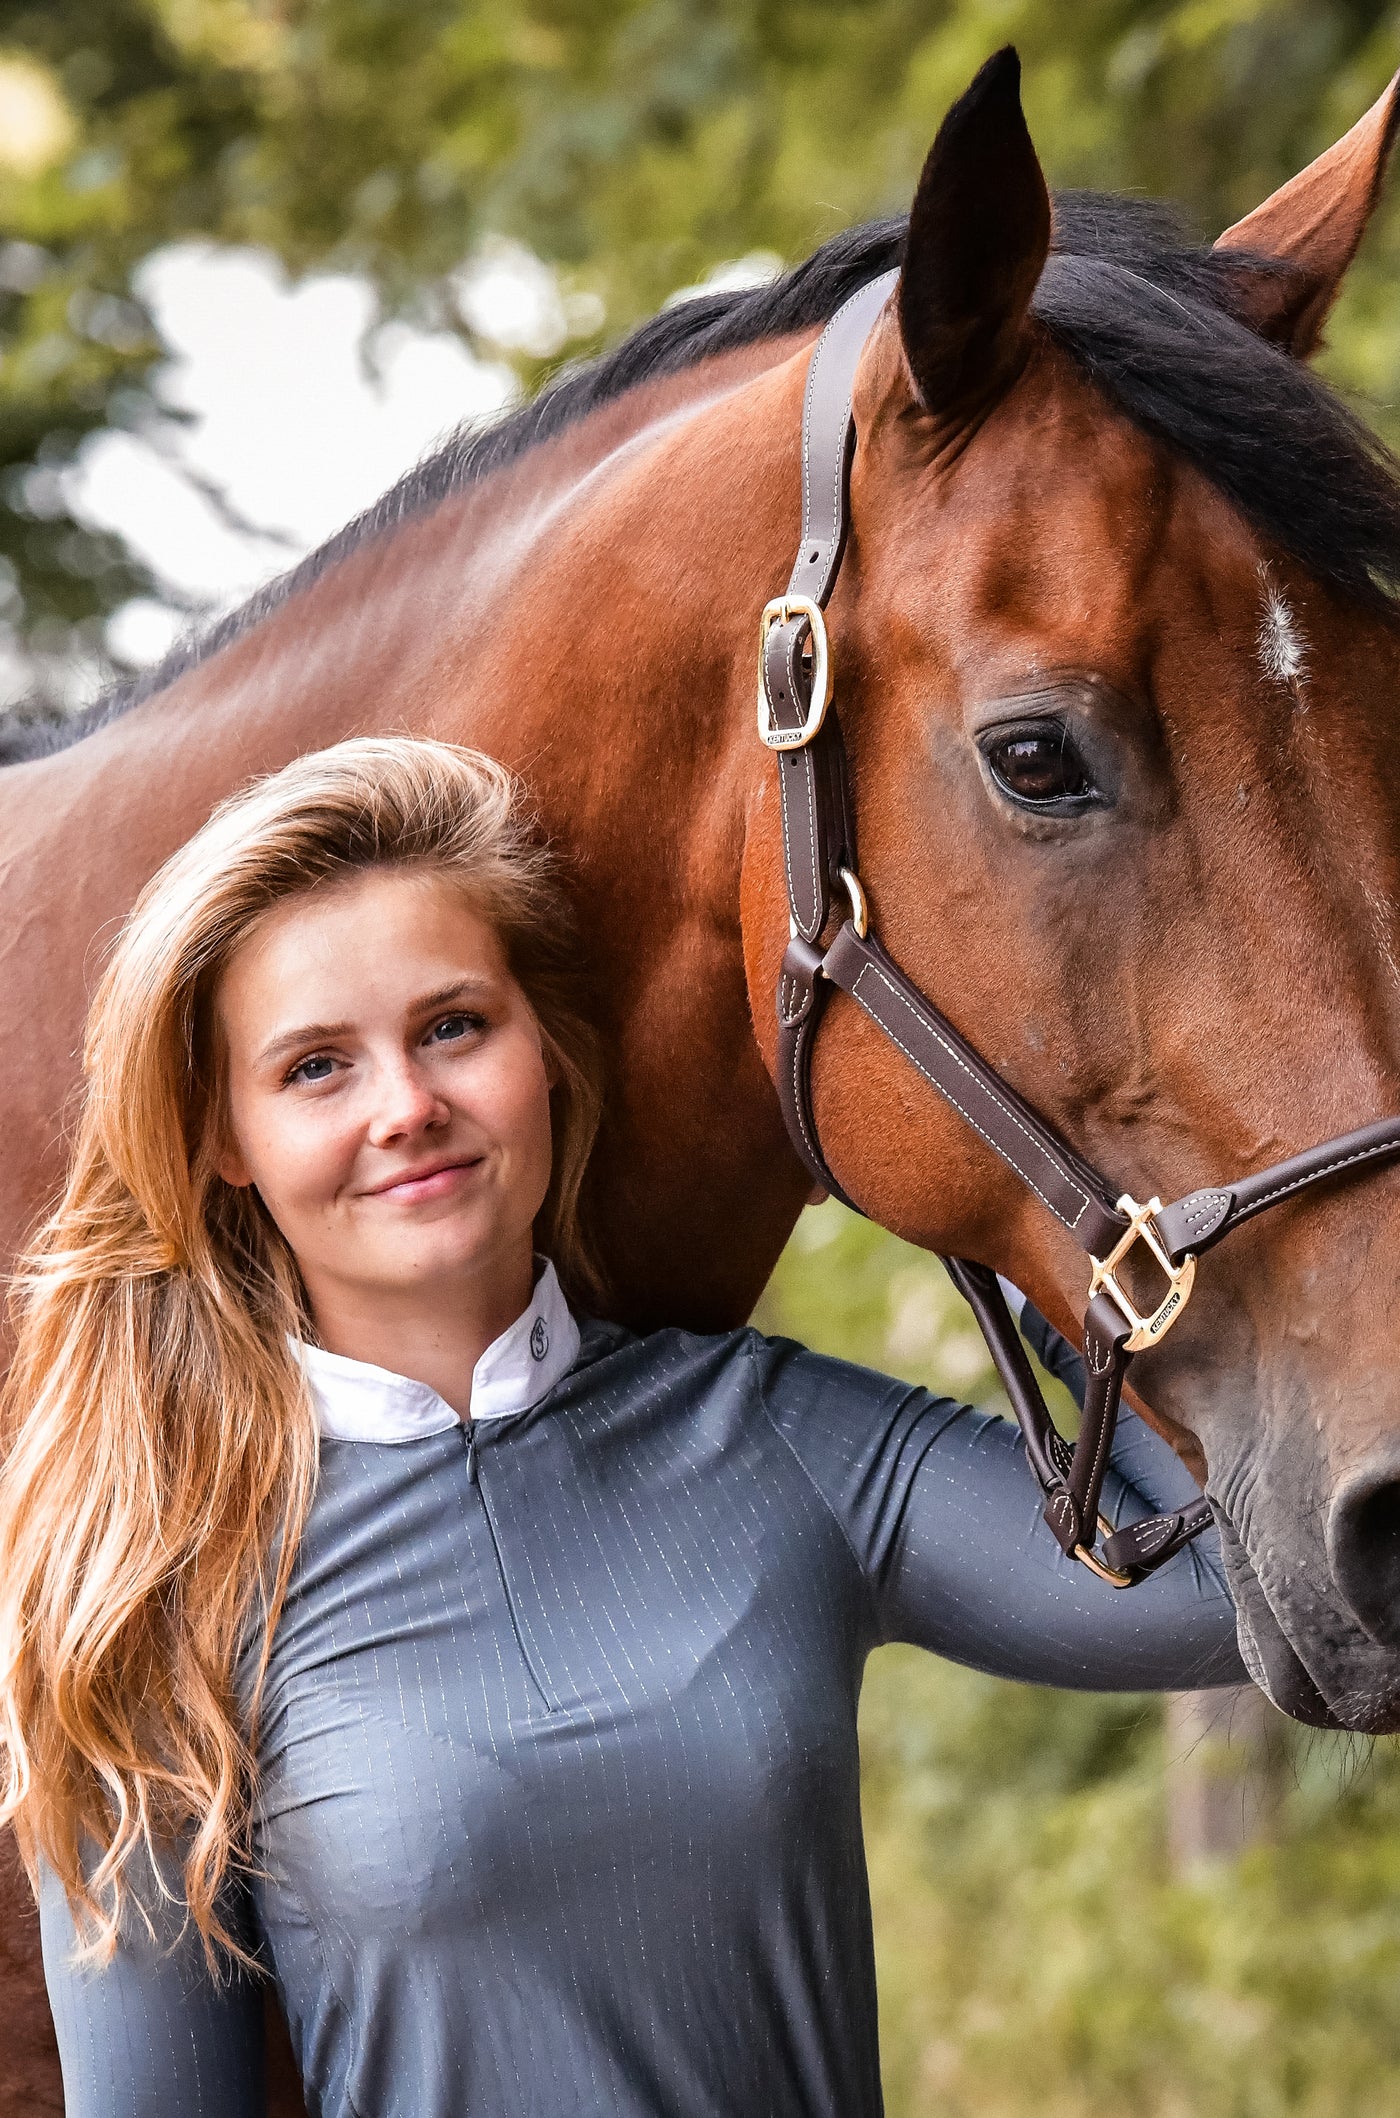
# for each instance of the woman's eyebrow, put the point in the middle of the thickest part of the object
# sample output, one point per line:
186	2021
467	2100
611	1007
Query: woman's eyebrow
306	1033
470	987
288	1041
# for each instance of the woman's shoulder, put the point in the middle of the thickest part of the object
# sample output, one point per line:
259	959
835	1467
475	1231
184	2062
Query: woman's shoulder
785	1378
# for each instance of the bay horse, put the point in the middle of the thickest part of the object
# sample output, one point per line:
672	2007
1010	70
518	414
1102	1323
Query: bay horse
1118	662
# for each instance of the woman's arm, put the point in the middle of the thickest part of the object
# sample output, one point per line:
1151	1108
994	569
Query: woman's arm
150	2035
943	1517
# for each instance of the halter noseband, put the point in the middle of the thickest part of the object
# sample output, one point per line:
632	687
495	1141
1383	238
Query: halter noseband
798	722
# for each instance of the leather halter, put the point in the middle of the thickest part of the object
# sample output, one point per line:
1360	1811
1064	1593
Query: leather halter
798	722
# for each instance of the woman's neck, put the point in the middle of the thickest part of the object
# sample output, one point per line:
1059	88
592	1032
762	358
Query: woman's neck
435	1335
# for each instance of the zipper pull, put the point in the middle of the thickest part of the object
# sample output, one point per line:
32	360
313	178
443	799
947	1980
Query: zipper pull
470	1427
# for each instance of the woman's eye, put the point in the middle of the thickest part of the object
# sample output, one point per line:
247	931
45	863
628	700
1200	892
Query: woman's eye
452	1027
1040	767
317	1068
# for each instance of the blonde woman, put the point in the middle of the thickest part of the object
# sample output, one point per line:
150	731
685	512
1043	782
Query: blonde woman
373	1621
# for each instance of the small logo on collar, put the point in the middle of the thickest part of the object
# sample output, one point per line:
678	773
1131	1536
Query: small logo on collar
539	1339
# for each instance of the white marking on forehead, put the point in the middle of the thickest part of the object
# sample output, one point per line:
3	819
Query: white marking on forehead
1282	645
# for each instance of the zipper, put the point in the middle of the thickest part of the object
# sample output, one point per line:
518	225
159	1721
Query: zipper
474	1478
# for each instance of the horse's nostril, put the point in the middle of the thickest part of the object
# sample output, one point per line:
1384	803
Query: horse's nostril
1363	1539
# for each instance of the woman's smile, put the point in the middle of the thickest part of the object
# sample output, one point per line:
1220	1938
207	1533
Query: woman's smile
440	1179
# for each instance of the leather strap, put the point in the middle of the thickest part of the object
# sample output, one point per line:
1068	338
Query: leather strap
828	440
1071	1478
1198	1221
1074	1192
819	856
811	779
801	999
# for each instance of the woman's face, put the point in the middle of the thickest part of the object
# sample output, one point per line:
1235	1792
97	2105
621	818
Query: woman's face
388	1092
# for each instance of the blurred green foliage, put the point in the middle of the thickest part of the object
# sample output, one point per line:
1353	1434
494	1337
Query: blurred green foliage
1038	1957
635	144
848	1287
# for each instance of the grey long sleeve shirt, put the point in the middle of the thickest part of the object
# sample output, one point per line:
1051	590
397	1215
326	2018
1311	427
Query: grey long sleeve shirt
559	1807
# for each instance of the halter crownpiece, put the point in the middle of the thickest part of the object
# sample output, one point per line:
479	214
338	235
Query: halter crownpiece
798	721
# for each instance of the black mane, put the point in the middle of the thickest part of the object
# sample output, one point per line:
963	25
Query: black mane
1151	319
1147	315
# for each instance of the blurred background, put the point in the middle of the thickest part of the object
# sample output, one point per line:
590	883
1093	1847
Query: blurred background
256	256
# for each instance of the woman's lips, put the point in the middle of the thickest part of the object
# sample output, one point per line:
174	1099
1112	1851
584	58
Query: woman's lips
437	1182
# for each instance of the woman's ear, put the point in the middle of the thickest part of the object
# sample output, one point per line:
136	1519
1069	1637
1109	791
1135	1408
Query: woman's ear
221	1150
230	1165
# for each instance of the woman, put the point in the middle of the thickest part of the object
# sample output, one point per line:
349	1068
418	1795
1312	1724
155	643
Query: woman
375	1620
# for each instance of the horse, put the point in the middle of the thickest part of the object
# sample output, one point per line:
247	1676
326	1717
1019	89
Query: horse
1116	644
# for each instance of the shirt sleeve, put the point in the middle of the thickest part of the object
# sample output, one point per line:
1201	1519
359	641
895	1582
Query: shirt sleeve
150	2034
942	1516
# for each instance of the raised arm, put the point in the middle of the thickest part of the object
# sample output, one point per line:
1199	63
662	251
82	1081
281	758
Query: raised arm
150	2034
943	1517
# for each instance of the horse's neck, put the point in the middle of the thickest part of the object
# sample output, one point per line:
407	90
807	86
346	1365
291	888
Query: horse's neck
582	614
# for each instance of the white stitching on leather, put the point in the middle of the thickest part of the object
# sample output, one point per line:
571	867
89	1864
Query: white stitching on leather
809	532
1006	1111
819	355
814	919
818	1158
1203	1205
807	396
783	805
1156	1535
1096	1469
1314	1176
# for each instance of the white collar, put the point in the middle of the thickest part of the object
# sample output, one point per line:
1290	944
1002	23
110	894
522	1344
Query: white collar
355	1401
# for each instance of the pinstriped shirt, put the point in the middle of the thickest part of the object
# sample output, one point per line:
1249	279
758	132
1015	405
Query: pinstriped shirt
559	1795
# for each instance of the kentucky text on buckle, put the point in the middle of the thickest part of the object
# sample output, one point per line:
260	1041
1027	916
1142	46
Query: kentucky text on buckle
1146	1330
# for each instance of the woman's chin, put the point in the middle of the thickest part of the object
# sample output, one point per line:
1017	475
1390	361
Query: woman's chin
450	1256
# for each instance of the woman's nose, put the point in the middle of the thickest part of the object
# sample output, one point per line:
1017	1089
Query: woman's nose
404	1104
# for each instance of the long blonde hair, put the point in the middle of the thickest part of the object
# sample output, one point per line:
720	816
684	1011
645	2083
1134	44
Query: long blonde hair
160	1447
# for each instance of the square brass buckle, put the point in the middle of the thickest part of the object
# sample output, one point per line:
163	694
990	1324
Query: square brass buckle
777	613
1146	1330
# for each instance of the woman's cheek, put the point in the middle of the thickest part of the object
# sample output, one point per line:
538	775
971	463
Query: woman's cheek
517	1099
313	1159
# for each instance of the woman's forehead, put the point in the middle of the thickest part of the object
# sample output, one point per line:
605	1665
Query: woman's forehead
376	940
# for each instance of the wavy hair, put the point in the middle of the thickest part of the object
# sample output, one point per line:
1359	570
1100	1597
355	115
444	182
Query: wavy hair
160	1448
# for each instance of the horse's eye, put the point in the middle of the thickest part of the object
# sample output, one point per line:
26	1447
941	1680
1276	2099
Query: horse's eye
1039	767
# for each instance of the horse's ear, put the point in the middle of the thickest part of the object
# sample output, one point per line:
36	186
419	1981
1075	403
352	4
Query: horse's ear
1313	225
979	231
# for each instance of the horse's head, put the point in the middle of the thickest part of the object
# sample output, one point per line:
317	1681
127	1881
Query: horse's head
1119	680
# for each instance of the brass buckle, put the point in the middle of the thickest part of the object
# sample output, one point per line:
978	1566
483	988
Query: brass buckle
1146	1330
1114	1576
777	613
